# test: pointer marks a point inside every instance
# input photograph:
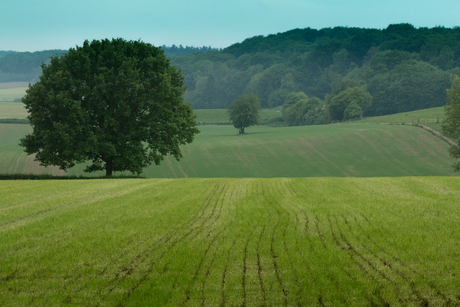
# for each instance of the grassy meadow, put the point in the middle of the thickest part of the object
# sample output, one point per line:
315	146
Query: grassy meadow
431	117
231	242
13	90
12	110
361	150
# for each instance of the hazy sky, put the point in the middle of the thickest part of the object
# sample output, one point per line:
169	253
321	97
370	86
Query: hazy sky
31	25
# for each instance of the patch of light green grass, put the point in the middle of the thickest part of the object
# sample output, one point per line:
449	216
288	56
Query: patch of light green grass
431	117
12	110
10	94
230	242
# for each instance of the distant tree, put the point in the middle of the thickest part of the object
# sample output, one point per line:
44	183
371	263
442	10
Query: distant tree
451	124
244	112
300	110
353	111
342	100
117	104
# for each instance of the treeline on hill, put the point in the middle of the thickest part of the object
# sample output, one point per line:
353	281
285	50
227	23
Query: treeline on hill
400	68
26	66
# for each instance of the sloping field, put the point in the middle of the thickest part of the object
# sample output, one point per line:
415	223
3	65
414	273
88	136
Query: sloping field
431	117
12	110
231	242
369	150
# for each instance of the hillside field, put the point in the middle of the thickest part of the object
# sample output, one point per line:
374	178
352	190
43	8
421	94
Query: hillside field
231	242
362	150
204	116
431	117
12	91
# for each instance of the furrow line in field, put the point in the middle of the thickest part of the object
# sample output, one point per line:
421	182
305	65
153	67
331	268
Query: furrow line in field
243	283
203	283
395	267
275	264
148	253
200	264
260	268
286	249
289	188
222	287
320	234
218	204
332	277
363	268
276	210
391	279
291	262
174	284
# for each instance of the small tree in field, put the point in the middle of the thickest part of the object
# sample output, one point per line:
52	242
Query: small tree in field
244	112
117	104
451	124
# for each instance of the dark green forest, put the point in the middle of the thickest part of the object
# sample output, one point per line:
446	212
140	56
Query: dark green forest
403	68
317	76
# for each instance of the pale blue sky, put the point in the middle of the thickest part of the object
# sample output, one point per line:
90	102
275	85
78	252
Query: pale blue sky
31	25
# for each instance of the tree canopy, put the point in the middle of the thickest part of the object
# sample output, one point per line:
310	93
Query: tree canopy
118	104
244	112
451	124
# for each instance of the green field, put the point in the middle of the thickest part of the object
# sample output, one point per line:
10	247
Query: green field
12	110
13	92
231	242
362	150
429	117
204	116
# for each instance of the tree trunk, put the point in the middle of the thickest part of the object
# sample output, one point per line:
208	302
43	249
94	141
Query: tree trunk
242	130
108	168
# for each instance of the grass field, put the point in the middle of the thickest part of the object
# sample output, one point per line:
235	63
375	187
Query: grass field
231	242
12	110
12	93
429	117
204	116
363	150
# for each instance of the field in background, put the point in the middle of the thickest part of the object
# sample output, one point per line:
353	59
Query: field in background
363	150
12	110
429	117
204	116
220	116
231	242
13	90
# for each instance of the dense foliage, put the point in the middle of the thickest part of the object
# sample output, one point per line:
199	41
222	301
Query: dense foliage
402	67
118	104
451	124
244	112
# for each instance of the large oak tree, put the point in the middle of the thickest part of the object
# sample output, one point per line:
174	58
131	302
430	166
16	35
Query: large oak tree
116	103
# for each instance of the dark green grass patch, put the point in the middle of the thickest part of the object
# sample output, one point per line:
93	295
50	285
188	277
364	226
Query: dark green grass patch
231	242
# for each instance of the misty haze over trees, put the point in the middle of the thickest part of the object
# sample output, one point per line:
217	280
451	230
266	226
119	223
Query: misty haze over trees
401	68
